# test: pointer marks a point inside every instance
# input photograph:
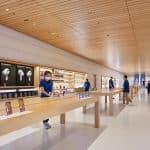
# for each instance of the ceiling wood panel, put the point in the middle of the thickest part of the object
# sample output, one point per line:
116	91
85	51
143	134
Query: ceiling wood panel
113	33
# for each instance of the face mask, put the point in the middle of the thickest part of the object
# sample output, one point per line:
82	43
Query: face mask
47	78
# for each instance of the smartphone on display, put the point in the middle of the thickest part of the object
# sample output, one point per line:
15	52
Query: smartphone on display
21	105
8	108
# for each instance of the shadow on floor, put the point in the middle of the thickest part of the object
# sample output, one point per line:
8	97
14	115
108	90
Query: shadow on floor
104	110
74	136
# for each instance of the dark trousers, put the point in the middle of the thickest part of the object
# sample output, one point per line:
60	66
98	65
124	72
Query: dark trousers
86	90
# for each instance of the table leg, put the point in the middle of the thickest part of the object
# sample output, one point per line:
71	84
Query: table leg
84	109
132	93
110	105
97	114
105	99
63	118
120	97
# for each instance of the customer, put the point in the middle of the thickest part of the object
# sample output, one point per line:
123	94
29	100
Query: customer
126	90
46	88
148	87
87	85
111	83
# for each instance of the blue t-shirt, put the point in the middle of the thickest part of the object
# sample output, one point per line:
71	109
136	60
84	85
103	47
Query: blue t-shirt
47	85
126	86
87	85
111	84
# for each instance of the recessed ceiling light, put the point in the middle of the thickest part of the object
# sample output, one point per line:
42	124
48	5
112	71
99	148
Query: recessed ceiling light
7	9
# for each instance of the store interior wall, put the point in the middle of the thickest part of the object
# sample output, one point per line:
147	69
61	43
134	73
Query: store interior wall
131	79
20	47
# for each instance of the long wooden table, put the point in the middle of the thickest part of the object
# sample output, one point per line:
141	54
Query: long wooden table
134	90
106	93
45	108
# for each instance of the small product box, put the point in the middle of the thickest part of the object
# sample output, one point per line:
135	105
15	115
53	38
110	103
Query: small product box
8	108
21	105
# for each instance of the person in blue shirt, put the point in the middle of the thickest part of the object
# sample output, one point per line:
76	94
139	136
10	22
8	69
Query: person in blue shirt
126	90
46	89
87	85
111	84
148	88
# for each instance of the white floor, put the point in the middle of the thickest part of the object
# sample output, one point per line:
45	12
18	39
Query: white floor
130	130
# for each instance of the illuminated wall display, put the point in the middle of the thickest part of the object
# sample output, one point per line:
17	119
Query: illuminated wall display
16	75
8	74
29	74
21	75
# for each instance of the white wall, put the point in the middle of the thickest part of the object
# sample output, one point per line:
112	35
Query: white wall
131	79
17	46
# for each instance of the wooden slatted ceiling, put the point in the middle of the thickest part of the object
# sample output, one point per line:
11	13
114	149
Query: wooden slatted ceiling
114	33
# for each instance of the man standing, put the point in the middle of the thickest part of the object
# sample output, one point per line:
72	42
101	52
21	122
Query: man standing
111	84
148	87
126	90
46	88
87	85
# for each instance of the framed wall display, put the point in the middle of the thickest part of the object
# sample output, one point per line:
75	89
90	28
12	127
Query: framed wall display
29	75
21	75
8	74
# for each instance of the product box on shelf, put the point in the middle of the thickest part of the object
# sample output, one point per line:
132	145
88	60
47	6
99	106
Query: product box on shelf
8	108
21	105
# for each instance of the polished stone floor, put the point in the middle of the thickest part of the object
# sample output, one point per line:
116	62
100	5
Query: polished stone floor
77	134
130	130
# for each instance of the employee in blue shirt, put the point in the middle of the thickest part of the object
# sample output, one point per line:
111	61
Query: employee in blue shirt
111	83
126	90
87	85
46	89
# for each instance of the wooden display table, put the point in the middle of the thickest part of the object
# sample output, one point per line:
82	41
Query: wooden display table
45	108
107	93
134	90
